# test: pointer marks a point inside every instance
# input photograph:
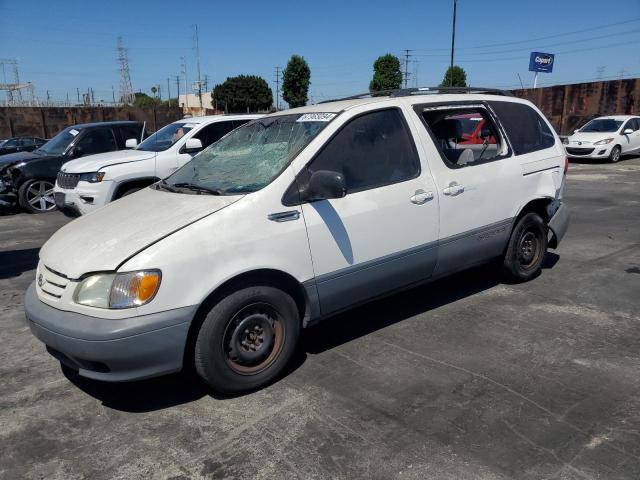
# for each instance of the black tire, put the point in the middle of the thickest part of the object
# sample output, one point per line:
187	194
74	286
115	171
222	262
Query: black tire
246	339
129	191
526	249
615	154
36	196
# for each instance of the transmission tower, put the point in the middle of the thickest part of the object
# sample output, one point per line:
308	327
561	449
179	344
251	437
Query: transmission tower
13	89
407	57
126	90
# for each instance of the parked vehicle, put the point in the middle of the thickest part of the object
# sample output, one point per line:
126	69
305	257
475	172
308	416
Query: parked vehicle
88	183
290	219
20	144
605	138
31	176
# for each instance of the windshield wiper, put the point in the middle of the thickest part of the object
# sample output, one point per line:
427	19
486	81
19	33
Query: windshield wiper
197	188
165	186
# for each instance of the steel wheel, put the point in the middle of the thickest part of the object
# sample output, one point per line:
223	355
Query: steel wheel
529	250
253	339
38	196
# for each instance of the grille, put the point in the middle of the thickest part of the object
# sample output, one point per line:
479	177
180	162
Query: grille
52	283
68	180
580	151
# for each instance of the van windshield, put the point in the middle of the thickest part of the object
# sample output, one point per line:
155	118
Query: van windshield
249	157
166	137
602	125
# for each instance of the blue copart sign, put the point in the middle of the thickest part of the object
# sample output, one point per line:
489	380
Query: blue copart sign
541	62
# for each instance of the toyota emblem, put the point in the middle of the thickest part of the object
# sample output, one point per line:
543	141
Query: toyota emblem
41	280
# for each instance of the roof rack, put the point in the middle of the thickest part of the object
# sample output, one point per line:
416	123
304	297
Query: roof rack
407	92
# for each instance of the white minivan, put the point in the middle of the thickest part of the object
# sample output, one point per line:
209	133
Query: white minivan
88	183
290	219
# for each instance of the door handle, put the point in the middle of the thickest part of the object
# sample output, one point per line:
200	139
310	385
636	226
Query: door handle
453	189
421	197
284	216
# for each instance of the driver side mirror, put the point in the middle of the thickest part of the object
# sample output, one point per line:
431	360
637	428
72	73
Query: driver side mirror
131	143
75	152
192	145
323	185
627	131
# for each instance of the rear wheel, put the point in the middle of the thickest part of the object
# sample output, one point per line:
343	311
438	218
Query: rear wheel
615	154
36	196
526	249
247	339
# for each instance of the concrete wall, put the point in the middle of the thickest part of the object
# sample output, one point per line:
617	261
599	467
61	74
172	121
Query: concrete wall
47	121
570	106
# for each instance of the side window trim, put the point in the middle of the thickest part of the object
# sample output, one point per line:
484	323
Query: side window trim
421	107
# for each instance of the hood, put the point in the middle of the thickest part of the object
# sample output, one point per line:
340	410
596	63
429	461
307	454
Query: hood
590	137
11	158
93	163
104	239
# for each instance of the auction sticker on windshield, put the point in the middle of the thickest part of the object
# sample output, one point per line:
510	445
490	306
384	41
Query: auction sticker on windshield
317	117
74	132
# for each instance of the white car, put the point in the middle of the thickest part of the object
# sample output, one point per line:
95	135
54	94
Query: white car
88	183
290	219
605	138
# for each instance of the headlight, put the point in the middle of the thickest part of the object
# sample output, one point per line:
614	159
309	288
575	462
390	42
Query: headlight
118	290
565	140
93	177
604	142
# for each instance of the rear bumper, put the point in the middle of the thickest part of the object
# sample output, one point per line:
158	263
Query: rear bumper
558	225
111	350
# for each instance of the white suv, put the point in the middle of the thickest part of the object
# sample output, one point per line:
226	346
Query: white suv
91	182
290	219
605	138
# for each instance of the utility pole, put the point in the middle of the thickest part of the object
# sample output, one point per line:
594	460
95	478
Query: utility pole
277	88
453	42
198	66
186	89
407	56
178	87
78	92
67	98
113	94
168	89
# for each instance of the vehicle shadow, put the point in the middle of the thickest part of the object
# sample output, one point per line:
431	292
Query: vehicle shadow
15	262
164	392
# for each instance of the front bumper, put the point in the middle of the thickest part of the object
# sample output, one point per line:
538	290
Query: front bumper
598	152
83	199
112	350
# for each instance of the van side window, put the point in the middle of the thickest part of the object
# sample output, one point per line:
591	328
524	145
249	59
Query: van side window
526	130
372	150
465	135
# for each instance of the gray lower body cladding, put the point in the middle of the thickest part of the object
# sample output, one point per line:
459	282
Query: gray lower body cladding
114	350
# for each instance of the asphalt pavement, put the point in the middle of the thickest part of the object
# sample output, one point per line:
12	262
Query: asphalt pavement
464	378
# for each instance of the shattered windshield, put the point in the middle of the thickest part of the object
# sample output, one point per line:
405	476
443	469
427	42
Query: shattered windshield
250	157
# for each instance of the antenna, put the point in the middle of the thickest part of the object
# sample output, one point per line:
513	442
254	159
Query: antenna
126	90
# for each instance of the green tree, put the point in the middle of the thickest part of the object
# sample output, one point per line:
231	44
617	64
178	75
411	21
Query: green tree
244	93
170	103
142	100
454	77
386	74
295	82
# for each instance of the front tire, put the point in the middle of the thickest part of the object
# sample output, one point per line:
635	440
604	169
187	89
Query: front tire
247	339
36	196
526	249
616	153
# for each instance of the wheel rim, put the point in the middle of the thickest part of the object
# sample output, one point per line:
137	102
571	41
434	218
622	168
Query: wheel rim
39	196
253	339
529	249
615	155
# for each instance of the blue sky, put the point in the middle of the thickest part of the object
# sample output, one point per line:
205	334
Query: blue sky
64	45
